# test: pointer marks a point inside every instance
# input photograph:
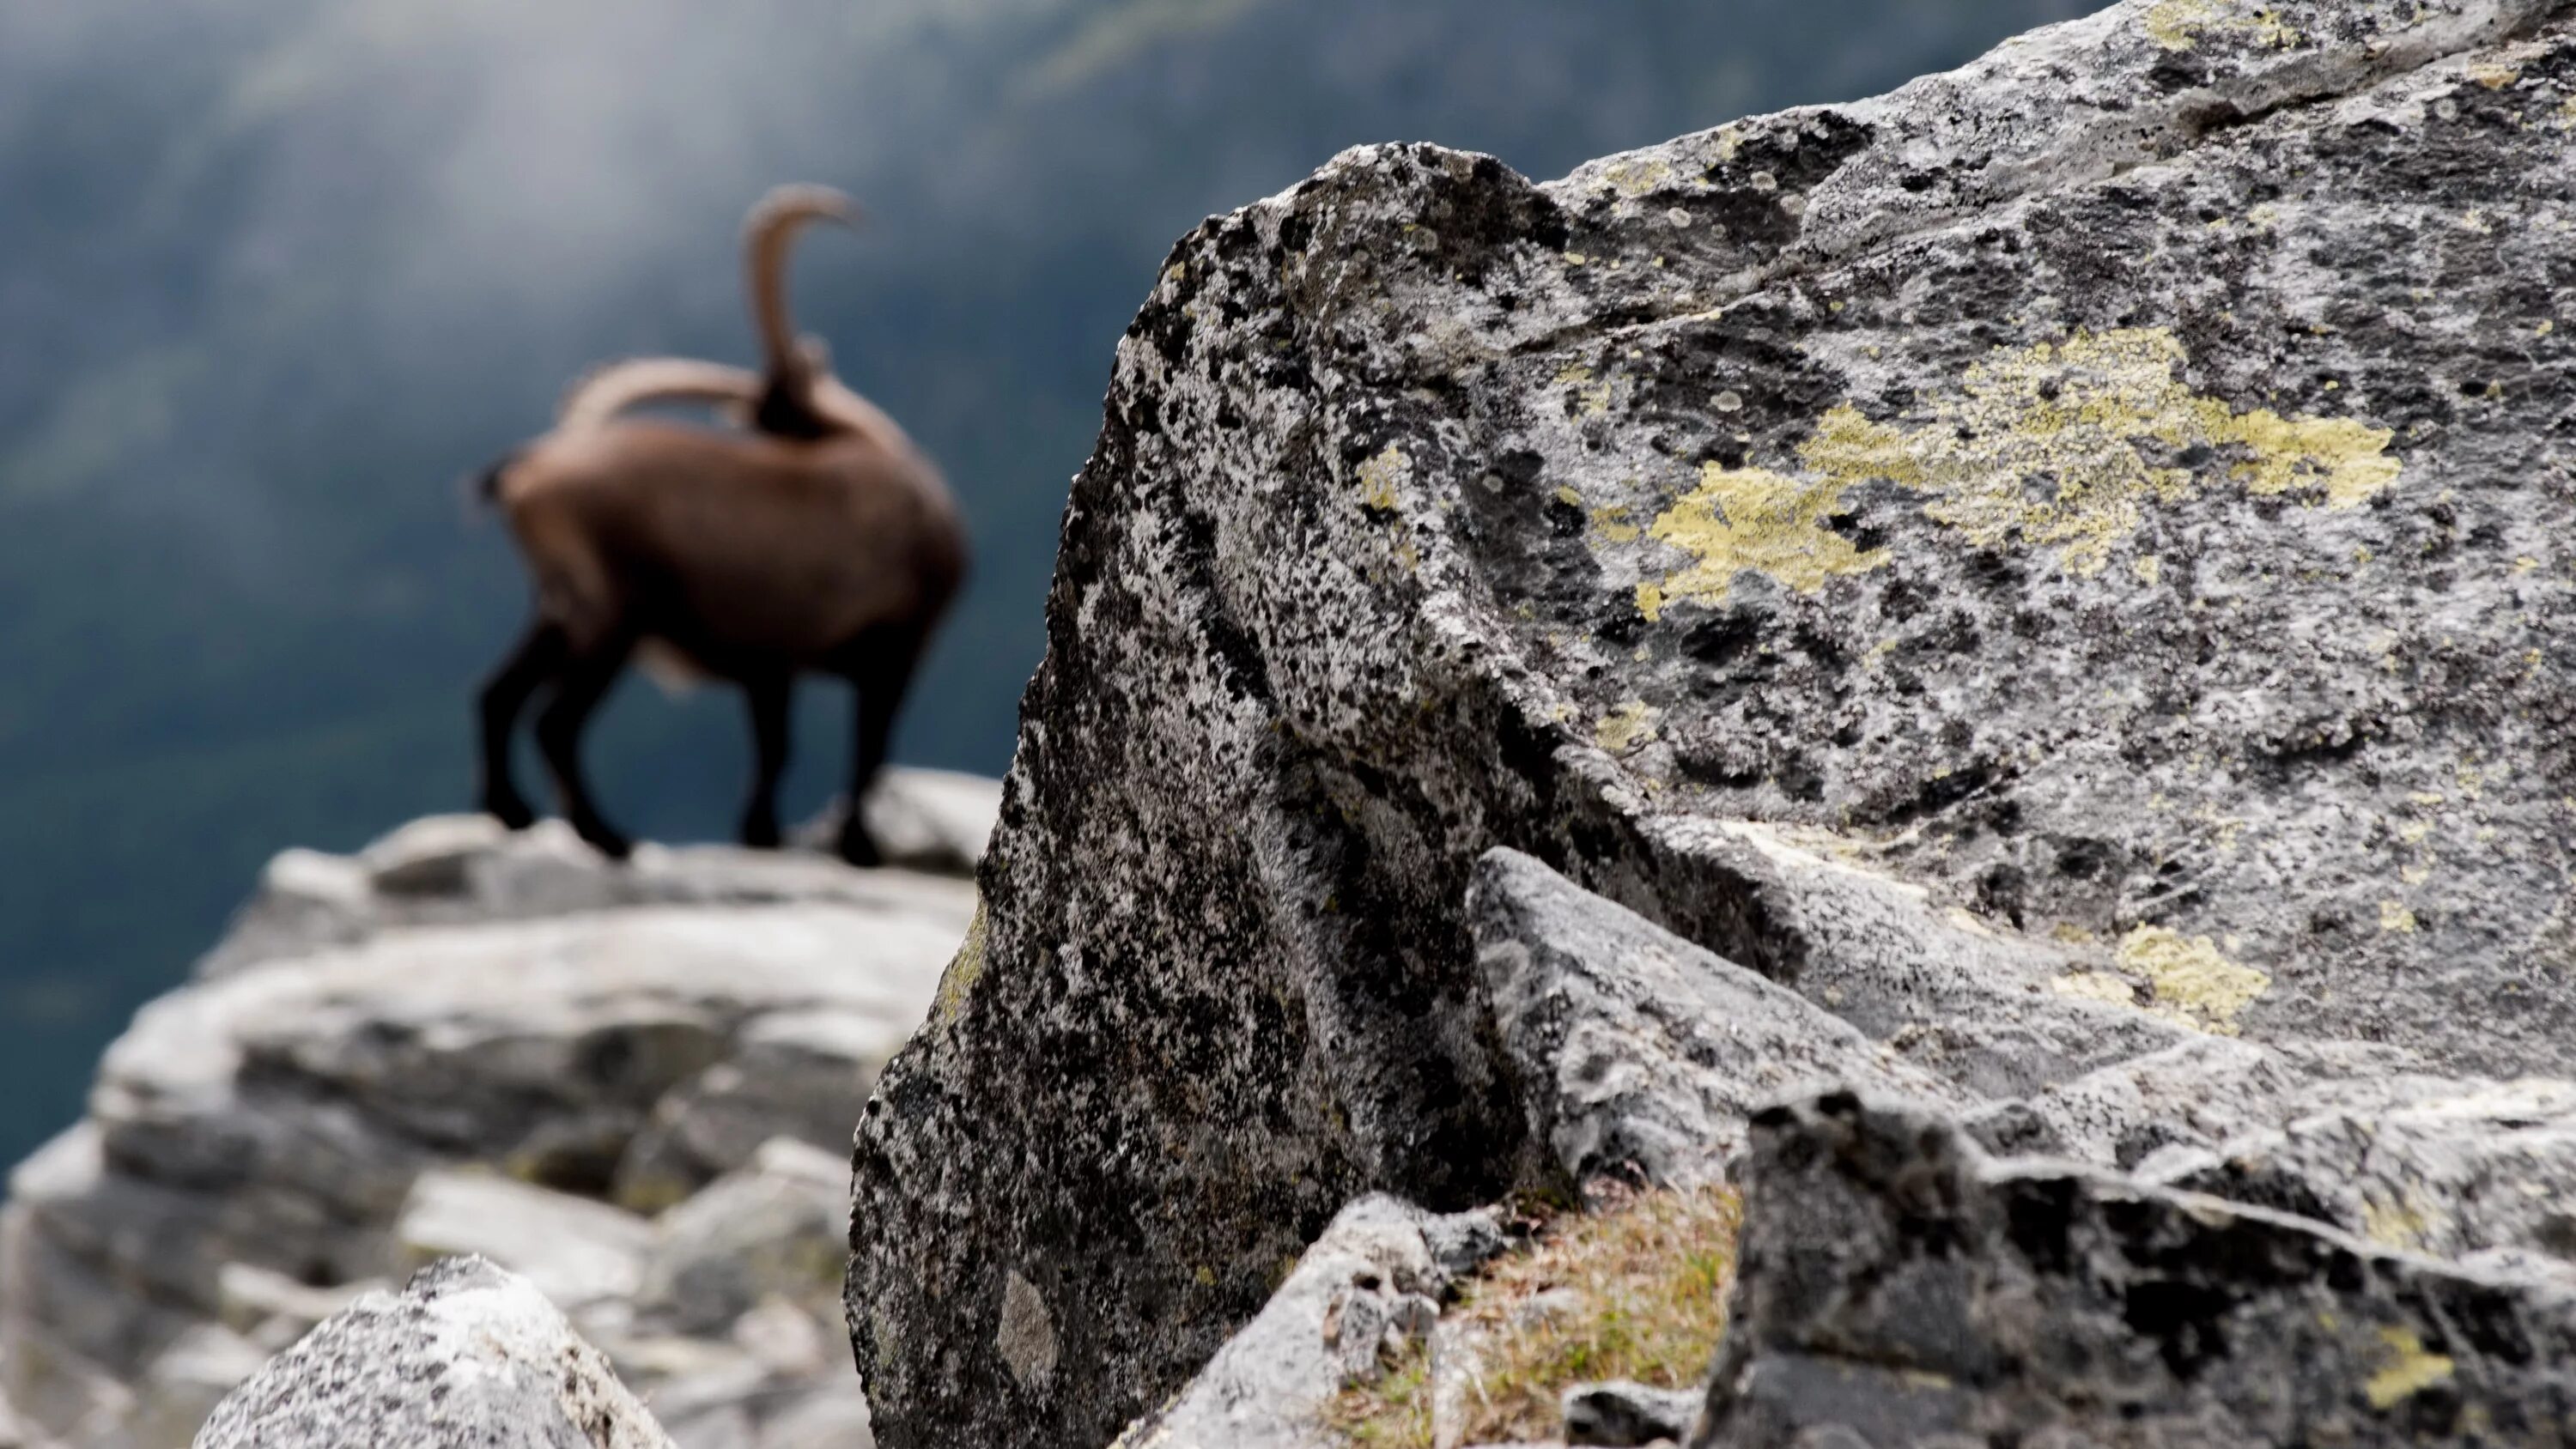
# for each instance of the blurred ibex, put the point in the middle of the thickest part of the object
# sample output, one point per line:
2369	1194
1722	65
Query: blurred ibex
818	541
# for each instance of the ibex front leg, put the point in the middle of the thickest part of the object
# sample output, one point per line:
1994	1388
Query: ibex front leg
538	657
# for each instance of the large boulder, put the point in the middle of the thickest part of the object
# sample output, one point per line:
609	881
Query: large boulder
633	1085
2106	512
466	1357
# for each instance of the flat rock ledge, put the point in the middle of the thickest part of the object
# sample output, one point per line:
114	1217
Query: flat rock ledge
467	1356
2064	569
632	1086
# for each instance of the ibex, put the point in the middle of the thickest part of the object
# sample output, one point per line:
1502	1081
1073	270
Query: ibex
822	541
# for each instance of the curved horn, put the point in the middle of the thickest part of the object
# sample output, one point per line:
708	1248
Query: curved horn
604	392
767	235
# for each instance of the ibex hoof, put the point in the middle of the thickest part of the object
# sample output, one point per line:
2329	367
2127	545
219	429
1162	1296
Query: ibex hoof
513	814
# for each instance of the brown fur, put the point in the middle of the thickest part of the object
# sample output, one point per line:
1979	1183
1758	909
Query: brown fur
824	543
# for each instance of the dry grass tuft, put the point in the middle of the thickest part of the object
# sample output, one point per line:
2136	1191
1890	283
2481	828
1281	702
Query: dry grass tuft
1638	1289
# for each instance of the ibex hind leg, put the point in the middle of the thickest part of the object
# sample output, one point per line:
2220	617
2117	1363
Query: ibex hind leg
880	668
537	657
771	698
584	681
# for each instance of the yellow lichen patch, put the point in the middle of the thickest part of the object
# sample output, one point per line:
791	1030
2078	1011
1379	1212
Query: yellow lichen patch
1753	518
2070	933
2050	445
2096	986
1382	476
2396	919
1623	729
2225	829
1613	525
2193	983
2349	458
2147	568
1636	176
2059	445
2411	1369
2180	24
2408	1225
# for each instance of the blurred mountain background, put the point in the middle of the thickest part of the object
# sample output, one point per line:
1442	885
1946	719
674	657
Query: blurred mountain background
276	274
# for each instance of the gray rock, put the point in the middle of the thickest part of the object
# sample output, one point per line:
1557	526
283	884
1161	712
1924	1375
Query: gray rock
776	1228
273	1310
470	1055
465	869
579	1253
802	1074
2111	492
186	1382
1895	1286
2357	1136
837	1420
1627	1414
1640	1054
2464	1168
1365	1290
467	1356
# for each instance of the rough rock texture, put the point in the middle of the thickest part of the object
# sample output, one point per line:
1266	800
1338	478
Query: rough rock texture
467	1357
1898	1287
1643	1058
635	1086
1639	1053
2106	511
1627	1414
1367	1290
451	869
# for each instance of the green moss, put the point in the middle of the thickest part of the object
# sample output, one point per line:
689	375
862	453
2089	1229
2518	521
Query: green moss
964	970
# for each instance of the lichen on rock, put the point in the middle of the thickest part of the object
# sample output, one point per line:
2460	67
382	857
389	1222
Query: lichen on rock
2110	493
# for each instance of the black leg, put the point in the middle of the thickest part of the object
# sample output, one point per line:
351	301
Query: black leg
583	683
881	678
770	700
534	661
